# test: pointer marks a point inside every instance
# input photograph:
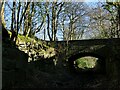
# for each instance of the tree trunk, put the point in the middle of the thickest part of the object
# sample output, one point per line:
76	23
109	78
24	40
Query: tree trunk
18	20
31	18
118	22
48	21
53	21
27	23
44	33
18	17
2	14
13	23
23	14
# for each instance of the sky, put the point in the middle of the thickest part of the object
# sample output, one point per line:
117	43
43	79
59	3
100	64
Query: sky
62	0
59	34
40	35
95	0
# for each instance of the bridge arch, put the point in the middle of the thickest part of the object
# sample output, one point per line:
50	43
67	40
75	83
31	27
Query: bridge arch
101	61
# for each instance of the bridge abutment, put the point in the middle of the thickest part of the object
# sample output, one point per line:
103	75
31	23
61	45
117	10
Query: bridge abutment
113	62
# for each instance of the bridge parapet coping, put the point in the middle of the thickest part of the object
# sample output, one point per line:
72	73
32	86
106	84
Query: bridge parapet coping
88	42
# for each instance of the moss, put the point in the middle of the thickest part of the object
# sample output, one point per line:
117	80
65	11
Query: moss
23	38
28	39
10	33
43	50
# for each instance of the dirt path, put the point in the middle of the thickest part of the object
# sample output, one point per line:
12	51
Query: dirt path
62	79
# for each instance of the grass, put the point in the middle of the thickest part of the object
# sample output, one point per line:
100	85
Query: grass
86	62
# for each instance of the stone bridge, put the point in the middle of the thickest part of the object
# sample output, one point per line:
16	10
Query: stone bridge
107	50
66	52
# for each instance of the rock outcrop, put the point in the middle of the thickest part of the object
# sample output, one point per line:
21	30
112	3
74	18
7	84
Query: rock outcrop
35	49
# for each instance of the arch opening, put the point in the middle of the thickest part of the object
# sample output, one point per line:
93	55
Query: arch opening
87	62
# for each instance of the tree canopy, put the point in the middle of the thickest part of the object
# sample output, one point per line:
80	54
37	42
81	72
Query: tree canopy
62	20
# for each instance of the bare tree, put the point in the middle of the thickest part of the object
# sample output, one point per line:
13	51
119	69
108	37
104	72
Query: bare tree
72	20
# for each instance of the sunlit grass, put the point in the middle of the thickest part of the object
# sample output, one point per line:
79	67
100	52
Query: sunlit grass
86	62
